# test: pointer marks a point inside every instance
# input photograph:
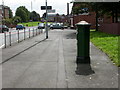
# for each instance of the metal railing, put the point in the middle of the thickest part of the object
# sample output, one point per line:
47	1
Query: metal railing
9	38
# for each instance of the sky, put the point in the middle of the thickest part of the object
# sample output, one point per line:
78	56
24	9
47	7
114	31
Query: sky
59	5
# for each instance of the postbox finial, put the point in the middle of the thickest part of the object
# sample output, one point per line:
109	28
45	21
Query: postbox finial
83	23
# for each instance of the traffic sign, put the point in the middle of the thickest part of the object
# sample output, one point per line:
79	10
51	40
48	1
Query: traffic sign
51	11
44	7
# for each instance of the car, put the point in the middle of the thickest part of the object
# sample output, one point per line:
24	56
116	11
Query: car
3	28
20	26
57	26
41	26
65	27
49	24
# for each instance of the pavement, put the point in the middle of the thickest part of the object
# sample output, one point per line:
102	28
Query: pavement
51	63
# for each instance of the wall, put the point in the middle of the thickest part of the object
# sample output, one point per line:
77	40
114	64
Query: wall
89	18
113	28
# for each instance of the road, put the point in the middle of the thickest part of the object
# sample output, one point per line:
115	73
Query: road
13	34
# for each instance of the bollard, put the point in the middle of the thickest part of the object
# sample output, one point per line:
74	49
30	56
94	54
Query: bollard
5	38
29	32
36	32
83	42
24	34
39	31
33	32
18	36
10	38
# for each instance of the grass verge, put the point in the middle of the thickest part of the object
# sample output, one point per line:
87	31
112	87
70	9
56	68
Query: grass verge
30	24
108	43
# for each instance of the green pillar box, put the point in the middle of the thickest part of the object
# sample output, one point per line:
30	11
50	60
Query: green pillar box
83	42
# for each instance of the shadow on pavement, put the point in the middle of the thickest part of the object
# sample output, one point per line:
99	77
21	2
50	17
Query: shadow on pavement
37	42
71	36
84	69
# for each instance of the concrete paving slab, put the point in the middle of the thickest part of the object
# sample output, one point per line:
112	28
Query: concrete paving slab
40	75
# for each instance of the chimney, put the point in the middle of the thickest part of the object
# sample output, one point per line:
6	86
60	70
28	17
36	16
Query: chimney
67	8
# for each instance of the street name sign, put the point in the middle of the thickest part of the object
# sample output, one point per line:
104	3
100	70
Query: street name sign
44	7
51	11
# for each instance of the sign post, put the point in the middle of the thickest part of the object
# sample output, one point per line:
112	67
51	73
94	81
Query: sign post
46	22
46	8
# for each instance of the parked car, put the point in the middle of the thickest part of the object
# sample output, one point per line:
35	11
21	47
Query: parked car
20	26
49	24
3	28
41	26
65	27
57	26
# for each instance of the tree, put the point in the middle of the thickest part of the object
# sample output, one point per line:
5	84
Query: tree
16	20
101	9
7	21
34	16
81	8
110	9
44	15
23	13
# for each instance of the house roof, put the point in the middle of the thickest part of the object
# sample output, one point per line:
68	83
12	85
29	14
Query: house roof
4	6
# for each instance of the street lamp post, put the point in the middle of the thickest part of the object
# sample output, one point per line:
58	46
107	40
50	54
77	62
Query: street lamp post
46	22
31	13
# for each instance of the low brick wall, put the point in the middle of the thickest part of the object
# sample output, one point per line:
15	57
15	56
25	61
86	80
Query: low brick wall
113	28
11	25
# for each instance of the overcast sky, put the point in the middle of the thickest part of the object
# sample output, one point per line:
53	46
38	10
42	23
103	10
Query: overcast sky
59	5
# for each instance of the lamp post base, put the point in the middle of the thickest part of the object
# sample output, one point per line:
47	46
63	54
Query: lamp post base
46	37
83	60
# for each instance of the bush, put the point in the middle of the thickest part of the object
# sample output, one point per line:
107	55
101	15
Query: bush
16	20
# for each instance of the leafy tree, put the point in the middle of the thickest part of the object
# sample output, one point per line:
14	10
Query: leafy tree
34	16
44	15
27	12
81	8
23	13
110	9
16	20
7	21
101	9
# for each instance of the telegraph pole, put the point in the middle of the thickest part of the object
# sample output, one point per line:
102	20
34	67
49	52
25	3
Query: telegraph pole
46	22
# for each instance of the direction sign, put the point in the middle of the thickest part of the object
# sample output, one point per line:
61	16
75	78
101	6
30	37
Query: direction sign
51	11
44	7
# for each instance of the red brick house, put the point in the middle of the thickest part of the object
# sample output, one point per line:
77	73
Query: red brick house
57	18
4	11
89	17
105	22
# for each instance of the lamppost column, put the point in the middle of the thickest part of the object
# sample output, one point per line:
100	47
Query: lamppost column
46	21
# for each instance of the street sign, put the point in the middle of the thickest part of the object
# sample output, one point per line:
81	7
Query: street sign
44	7
51	11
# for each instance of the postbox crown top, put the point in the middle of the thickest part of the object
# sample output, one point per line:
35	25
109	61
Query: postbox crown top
83	23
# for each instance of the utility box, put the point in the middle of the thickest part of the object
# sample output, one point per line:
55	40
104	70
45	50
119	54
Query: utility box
83	42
